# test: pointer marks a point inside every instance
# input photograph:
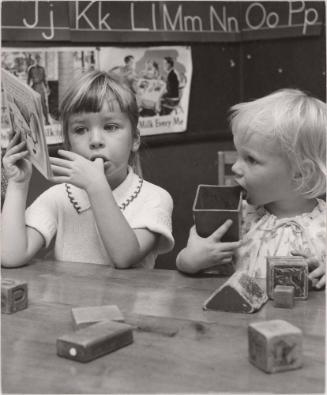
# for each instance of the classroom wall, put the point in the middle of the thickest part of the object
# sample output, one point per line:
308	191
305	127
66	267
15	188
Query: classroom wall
223	74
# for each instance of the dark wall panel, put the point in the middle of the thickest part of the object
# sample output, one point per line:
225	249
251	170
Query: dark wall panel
215	85
287	63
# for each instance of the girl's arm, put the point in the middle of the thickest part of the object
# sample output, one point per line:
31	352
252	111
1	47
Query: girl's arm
124	246
19	243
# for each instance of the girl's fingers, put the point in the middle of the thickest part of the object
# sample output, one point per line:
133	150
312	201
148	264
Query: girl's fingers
303	253
321	283
224	255
10	161
59	179
312	264
60	170
68	154
15	148
219	233
231	245
60	162
193	231
227	260
317	272
99	163
14	138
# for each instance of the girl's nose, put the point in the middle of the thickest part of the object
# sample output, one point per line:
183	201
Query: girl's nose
237	169
96	139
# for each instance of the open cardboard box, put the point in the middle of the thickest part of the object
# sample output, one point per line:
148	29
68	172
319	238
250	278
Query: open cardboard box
215	204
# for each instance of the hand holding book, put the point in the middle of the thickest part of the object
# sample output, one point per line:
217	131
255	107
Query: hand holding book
16	164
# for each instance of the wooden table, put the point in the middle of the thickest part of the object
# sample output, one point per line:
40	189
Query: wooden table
177	346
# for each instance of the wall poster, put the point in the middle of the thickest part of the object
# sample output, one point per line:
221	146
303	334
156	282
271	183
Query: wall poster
161	80
47	71
159	76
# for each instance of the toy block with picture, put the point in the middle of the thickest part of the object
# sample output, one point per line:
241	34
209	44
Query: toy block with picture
275	345
290	271
13	295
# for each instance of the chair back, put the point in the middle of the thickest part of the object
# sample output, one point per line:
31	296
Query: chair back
226	159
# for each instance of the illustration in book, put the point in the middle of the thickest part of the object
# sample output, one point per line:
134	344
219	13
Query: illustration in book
25	115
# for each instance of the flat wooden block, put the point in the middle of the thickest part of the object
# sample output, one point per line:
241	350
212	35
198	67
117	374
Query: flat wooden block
84	316
240	294
14	295
292	271
284	296
96	340
275	345
214	205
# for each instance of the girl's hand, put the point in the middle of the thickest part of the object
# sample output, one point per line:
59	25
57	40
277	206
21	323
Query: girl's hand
77	170
317	269
16	163
202	253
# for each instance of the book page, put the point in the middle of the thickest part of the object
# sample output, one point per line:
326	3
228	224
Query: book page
25	114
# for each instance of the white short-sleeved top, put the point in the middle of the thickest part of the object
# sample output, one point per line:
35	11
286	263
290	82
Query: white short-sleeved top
64	210
266	235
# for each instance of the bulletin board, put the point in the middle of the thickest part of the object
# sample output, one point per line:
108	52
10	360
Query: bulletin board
230	43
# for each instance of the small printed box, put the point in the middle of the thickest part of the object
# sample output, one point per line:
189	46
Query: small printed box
291	271
283	296
275	346
13	295
214	205
84	316
96	340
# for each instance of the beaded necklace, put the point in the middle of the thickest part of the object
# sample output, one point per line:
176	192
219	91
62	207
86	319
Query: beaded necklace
122	206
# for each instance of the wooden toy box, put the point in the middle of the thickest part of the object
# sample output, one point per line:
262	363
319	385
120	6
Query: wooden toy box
213	205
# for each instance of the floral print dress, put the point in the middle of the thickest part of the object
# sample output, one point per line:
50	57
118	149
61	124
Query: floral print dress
266	235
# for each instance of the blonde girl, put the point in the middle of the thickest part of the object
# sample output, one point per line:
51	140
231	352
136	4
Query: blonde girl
281	144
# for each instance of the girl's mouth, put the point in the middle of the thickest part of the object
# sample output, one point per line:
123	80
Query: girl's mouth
94	157
244	192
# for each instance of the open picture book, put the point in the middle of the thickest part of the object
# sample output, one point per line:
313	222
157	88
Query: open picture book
25	115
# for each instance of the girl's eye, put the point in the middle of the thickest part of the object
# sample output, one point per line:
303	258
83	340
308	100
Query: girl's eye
111	127
251	160
79	130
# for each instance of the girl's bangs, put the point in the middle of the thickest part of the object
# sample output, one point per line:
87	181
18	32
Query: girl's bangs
93	99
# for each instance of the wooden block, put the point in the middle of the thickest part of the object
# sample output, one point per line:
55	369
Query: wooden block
215	204
275	346
84	316
13	295
283	296
96	340
240	294
292	271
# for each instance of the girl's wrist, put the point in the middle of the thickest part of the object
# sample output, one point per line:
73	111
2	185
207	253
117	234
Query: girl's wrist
19	184
97	187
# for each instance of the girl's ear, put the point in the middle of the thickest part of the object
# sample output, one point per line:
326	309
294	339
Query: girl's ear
136	141
306	171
